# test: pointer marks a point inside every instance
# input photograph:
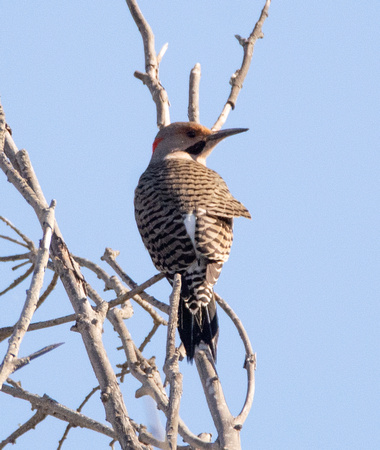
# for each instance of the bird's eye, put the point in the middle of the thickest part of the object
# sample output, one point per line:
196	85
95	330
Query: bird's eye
191	134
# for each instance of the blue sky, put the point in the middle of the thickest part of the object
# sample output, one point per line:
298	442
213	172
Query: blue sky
303	274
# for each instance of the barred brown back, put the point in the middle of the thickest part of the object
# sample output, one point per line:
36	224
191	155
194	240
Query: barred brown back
167	193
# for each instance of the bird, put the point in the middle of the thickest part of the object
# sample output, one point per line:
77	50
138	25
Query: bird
184	213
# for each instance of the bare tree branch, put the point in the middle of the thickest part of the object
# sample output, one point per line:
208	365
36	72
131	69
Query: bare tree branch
110	258
27	172
109	282
20	265
79	409
21	362
195	78
28	243
150	77
10	149
7	331
10	359
89	322
149	336
228	436
238	77
2	129
13	257
48	290
148	438
30	424
171	367
102	274
148	375
137	290
249	364
18	280
162	52
55	409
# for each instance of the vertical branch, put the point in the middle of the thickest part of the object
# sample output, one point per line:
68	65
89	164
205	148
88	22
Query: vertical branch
228	435
171	367
2	128
10	360
195	78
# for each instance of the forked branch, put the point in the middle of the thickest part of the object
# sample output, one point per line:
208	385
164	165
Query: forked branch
150	77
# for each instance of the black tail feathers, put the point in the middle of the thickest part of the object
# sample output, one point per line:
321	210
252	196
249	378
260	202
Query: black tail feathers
201	326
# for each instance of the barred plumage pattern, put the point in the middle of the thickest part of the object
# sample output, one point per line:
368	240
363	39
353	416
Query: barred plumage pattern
167	193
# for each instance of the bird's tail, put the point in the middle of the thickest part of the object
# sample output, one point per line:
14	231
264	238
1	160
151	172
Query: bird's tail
196	326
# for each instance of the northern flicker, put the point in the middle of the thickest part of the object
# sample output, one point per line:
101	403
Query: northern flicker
184	212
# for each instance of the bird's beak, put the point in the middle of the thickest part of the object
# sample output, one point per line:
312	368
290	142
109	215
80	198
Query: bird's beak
211	141
221	134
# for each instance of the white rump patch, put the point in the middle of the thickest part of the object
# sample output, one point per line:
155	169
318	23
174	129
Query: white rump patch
190	221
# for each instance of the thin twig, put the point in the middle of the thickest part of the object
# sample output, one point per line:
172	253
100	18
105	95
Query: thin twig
15	241
21	362
238	77
10	359
137	290
14	257
20	265
143	299
109	257
48	290
249	364
162	52
7	331
18	280
148	338
28	242
30	424
79	409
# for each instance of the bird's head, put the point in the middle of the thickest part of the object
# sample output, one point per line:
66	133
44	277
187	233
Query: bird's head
188	140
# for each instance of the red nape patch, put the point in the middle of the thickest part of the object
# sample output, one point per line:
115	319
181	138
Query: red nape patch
155	143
